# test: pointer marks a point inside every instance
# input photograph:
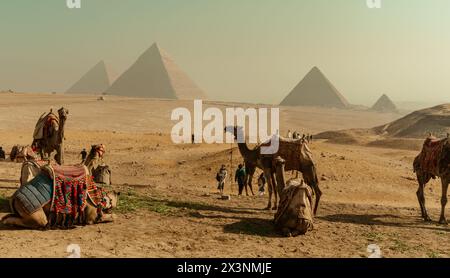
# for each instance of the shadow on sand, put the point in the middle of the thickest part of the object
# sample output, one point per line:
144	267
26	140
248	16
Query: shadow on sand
382	220
253	227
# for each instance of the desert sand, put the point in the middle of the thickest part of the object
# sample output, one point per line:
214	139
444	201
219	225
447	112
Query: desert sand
170	207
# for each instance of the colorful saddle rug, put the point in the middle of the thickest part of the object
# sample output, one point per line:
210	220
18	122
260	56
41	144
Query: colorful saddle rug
35	194
70	190
430	155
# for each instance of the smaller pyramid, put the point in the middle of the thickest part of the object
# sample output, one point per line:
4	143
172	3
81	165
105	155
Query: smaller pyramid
385	105
95	81
315	90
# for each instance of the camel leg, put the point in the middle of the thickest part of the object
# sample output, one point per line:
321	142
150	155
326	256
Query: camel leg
444	200
250	180
423	180
274	190
37	220
311	179
318	194
268	175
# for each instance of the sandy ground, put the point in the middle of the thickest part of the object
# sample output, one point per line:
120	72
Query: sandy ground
171	208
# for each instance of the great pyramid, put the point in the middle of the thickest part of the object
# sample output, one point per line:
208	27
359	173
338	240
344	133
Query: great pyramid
315	90
155	75
384	104
95	81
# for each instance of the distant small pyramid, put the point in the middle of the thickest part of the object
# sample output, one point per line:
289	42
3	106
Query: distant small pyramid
155	75
384	104
315	90
95	81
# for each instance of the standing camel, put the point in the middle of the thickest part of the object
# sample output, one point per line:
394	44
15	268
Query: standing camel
51	135
297	157
432	162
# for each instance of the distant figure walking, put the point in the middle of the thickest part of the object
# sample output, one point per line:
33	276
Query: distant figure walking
239	177
2	154
262	184
83	155
193	139
221	178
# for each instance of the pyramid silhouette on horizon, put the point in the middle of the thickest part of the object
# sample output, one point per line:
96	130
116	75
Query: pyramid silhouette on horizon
384	104
315	90
155	75
95	81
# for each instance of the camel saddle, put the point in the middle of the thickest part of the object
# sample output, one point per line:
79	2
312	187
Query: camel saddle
430	155
289	150
35	194
43	125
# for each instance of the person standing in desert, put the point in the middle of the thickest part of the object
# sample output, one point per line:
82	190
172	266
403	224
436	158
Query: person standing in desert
221	178
239	177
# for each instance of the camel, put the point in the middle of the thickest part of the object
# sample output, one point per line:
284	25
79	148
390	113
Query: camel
32	168
40	218
20	154
294	216
49	135
297	156
433	161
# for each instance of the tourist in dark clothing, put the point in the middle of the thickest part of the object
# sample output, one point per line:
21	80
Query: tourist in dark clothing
240	178
83	155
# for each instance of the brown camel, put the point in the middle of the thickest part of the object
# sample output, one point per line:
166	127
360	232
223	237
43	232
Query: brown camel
32	168
20	154
432	162
294	216
297	157
49	135
40	218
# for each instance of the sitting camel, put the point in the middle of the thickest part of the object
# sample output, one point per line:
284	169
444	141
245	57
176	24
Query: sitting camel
49	135
38	211
297	157
433	161
32	168
20	154
294	216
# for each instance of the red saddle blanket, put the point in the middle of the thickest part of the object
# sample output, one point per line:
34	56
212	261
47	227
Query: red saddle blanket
431	154
75	171
71	185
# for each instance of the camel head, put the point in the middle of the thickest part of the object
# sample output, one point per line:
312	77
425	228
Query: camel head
63	112
111	201
97	152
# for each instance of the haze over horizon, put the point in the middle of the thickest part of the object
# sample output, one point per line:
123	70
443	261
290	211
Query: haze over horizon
250	51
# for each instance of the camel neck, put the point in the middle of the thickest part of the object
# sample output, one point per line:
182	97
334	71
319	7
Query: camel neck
244	149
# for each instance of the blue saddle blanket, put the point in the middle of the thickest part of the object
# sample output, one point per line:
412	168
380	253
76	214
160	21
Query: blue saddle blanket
36	193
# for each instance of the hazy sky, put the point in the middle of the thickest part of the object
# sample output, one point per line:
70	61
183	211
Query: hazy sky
246	50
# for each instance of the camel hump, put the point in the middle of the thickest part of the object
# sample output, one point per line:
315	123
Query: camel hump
45	121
